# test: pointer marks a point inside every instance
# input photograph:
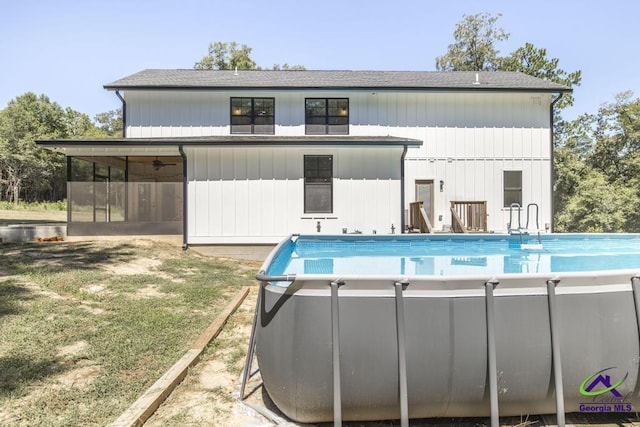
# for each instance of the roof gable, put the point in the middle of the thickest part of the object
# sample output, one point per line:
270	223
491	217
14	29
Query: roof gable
378	80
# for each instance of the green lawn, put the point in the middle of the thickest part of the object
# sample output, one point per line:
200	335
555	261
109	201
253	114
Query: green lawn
19	216
87	327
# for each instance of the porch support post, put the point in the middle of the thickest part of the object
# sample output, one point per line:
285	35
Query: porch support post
69	192
185	192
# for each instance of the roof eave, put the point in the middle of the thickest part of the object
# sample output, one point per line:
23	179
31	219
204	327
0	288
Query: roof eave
339	88
244	141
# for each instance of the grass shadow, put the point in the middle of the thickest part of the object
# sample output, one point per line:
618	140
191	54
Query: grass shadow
19	372
20	258
11	294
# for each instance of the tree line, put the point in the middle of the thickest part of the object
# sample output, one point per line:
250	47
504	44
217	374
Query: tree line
32	174
596	156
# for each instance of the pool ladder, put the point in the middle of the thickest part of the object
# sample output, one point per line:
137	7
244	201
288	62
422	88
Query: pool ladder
525	231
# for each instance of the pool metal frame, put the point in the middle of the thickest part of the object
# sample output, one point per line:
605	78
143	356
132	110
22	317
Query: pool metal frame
400	286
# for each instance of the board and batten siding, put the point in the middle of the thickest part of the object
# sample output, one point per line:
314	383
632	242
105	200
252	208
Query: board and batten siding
256	195
469	138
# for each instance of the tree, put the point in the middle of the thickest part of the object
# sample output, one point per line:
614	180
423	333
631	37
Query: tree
474	48
598	169
476	37
22	164
77	124
226	56
597	206
110	122
287	67
617	139
534	62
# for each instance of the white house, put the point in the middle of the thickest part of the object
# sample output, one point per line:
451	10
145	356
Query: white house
248	157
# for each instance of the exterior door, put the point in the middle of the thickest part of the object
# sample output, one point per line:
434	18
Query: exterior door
424	194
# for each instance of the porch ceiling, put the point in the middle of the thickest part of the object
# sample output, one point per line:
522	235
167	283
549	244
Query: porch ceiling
169	146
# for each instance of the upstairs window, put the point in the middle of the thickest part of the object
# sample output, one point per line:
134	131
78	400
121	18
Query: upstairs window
512	181
327	116
252	115
318	184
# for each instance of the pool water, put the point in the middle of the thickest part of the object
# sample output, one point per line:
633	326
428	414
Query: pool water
447	255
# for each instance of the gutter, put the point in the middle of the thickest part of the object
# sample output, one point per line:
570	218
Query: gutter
253	88
402	189
124	114
553	168
185	182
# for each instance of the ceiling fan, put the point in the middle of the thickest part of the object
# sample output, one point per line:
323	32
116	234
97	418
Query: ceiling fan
158	164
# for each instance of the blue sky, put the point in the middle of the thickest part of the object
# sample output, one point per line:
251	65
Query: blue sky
68	49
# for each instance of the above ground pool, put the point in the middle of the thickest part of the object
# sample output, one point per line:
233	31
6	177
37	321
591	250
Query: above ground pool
366	327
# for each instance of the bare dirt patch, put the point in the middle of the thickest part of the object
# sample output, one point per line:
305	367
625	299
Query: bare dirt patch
152	291
209	395
91	308
94	289
84	371
73	350
80	377
133	267
86	325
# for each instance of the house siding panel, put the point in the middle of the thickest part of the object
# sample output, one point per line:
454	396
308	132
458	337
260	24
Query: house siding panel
234	203
468	140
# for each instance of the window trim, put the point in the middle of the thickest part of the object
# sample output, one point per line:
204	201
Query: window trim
305	183
252	116
327	117
505	188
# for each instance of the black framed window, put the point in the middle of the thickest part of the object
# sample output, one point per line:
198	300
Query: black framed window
253	115
318	184
512	184
327	116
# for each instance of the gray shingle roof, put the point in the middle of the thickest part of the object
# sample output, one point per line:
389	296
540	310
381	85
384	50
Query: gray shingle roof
378	80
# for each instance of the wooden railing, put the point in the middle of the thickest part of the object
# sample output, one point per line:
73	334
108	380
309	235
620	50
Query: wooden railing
469	216
418	218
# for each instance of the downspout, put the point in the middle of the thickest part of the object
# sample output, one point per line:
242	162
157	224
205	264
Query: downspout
185	182
404	153
124	114
553	167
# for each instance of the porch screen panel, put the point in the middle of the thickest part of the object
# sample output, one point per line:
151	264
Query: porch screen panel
125	195
116	194
101	193
80	191
96	189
